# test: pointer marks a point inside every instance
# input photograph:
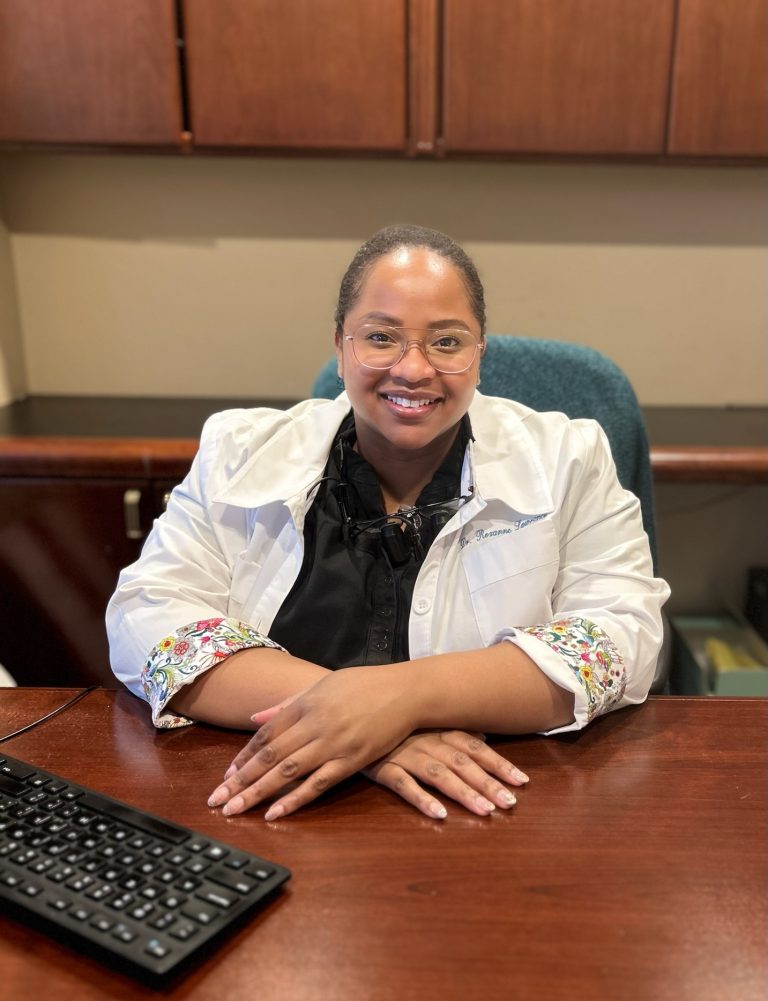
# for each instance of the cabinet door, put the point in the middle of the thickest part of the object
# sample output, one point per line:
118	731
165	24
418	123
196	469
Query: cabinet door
556	76
297	73
89	71
62	546
720	83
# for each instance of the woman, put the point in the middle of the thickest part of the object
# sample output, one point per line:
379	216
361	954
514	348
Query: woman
376	581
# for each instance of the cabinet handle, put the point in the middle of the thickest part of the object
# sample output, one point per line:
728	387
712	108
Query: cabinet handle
132	513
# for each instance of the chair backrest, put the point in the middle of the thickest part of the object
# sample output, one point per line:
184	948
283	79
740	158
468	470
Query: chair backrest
576	380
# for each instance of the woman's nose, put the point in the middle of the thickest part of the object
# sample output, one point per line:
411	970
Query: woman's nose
414	365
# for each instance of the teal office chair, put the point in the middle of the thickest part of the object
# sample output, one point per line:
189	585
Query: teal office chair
580	382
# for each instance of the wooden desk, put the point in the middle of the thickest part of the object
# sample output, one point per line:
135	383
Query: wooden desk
633	866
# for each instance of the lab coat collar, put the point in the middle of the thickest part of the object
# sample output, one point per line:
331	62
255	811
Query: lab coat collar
291	460
502	462
505	464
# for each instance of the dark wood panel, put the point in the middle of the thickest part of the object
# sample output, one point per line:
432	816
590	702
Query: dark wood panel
89	71
62	545
297	73
77	457
720	83
702	464
556	76
632	867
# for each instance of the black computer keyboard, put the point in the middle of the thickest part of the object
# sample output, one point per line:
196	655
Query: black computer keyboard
123	885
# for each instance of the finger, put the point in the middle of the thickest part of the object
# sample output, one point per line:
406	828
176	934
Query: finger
475	777
486	757
399	781
266	733
265	715
243	794
313	786
263	755
439	775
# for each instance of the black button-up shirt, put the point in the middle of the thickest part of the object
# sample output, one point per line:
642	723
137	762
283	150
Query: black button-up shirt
351	602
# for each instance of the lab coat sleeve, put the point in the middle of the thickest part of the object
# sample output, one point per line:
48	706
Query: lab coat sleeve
605	635
167	621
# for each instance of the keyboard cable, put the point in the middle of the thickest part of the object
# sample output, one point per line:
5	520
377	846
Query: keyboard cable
70	702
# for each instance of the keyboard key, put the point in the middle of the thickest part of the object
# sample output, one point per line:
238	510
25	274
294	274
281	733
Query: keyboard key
202	913
163	921
183	931
232	880
261	872
198	866
58	903
79	913
123	933
101	923
216	853
17	770
221	898
188	884
156	948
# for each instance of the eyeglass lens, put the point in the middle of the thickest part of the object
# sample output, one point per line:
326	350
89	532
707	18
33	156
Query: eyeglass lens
376	346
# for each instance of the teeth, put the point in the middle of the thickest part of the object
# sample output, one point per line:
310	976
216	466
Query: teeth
402	401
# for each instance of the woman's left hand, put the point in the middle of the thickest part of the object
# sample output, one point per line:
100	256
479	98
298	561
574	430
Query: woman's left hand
458	764
347	720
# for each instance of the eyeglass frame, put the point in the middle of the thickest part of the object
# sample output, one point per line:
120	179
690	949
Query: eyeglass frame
481	344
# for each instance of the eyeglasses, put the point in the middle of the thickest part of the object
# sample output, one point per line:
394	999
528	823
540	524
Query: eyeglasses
381	347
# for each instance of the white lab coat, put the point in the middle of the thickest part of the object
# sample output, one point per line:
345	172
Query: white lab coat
549	533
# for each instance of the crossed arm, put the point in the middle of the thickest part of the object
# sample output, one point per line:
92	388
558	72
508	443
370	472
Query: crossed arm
407	725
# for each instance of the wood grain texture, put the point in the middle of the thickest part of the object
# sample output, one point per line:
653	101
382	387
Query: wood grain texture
297	73
633	866
720	82
556	76
423	74
89	71
170	458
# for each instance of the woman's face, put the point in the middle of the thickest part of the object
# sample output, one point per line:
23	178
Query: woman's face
416	288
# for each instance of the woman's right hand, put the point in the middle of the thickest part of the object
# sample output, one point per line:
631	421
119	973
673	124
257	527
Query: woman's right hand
458	764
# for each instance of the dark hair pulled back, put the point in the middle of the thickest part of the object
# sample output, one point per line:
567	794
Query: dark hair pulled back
394	237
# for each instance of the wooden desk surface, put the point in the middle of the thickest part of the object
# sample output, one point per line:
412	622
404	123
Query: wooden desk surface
633	866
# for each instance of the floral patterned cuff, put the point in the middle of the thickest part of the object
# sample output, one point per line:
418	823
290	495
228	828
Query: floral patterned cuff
591	655
193	649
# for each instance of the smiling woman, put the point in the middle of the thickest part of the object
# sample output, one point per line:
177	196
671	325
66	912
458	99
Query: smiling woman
374	582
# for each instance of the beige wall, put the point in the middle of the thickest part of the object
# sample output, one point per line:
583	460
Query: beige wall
203	276
12	378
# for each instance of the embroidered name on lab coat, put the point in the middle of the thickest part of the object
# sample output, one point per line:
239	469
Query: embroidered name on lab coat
485	534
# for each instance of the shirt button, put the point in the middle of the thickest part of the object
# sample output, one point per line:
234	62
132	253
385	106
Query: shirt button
381	645
422	605
387	580
386	612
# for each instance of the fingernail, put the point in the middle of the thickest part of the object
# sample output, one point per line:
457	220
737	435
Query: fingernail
218	796
230	771
507	798
234	805
438	810
485	804
274	812
517	775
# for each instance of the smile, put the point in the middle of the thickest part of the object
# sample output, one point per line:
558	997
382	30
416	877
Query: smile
404	401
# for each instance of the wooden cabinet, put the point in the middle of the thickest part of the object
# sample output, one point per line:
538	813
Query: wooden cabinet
625	78
63	543
89	71
297	73
556	76
720	83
